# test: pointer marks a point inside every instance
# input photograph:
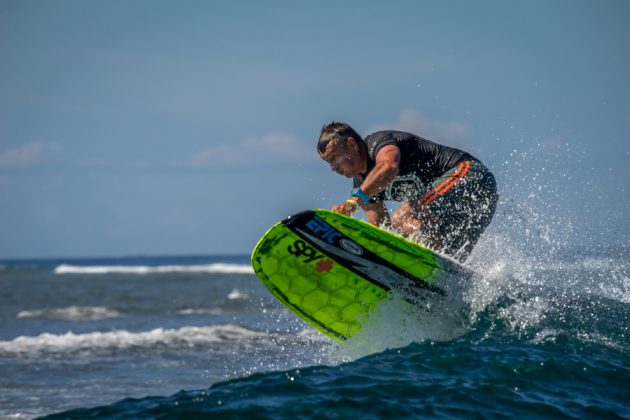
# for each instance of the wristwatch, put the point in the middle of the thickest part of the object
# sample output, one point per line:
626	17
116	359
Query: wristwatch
357	192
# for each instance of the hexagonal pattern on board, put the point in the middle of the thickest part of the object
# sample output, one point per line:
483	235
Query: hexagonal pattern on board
337	298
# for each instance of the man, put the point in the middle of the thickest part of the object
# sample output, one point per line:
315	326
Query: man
448	196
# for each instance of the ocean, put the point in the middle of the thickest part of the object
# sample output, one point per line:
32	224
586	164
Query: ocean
150	337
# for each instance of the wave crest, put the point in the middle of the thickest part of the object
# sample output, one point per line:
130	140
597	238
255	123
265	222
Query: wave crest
72	313
157	338
223	268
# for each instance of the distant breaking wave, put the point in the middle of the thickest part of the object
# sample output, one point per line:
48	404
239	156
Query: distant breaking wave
185	337
72	313
145	269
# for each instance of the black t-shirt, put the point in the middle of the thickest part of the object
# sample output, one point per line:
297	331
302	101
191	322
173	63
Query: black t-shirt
421	162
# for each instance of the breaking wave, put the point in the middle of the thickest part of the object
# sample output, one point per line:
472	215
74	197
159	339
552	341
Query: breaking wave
72	313
70	342
222	268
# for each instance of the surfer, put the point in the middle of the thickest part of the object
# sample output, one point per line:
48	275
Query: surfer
448	197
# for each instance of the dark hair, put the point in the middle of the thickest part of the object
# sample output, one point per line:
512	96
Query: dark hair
336	130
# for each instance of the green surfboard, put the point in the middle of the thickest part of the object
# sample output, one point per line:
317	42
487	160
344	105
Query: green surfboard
333	270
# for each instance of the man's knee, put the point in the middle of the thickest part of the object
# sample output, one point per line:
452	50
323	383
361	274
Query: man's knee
397	222
401	218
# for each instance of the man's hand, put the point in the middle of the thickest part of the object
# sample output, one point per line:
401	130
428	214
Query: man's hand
344	208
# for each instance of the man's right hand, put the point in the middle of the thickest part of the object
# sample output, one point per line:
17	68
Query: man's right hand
343	208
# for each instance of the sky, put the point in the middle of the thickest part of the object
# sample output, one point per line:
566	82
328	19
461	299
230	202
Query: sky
189	127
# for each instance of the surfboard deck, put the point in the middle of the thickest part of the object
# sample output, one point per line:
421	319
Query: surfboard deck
333	270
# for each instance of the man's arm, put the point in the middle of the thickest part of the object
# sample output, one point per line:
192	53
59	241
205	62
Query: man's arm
384	171
377	213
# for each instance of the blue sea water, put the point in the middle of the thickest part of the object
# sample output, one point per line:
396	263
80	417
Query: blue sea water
152	337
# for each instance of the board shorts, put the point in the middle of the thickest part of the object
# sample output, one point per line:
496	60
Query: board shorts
463	200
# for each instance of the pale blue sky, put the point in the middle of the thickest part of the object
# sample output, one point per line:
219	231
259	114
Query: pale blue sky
188	127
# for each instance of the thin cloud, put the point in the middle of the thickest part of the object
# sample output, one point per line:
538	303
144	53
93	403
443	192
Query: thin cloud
270	148
454	133
28	155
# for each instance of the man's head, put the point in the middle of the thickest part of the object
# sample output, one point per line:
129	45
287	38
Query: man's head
343	149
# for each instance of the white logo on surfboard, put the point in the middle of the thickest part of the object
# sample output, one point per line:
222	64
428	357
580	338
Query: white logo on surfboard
351	246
